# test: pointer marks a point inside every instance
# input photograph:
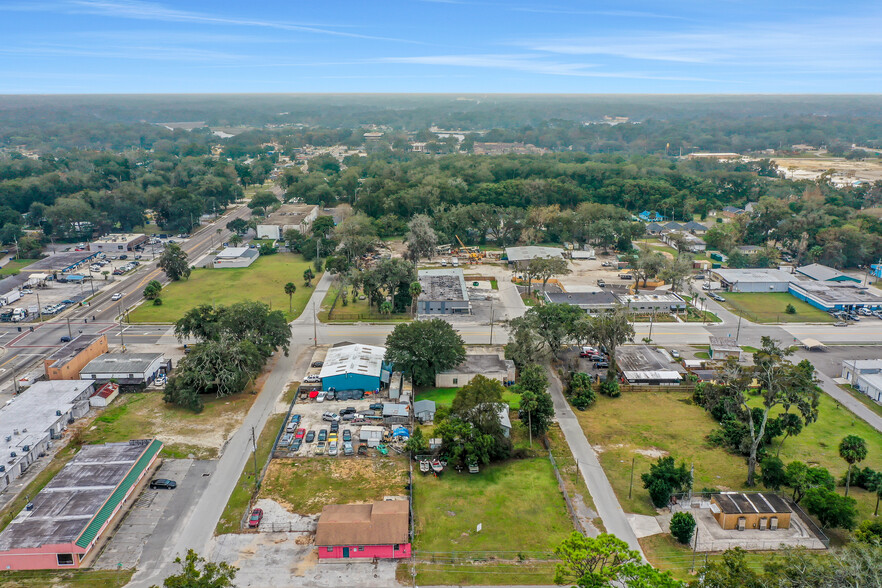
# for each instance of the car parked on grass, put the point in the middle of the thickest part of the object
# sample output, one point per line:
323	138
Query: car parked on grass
255	518
163	484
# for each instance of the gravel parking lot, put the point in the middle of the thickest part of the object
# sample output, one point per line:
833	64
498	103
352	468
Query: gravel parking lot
311	420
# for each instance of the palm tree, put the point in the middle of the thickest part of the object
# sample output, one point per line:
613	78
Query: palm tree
853	450
386	307
415	290
308	276
236	239
290	288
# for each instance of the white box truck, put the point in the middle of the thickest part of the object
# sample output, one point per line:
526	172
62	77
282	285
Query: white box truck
10	297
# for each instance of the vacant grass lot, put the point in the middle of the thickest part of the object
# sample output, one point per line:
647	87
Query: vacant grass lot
305	486
521	511
445	396
263	281
644	426
66	578
15	266
666	554
144	414
355	309
771	307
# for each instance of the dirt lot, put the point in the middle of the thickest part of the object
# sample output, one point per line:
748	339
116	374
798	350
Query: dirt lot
587	272
846	172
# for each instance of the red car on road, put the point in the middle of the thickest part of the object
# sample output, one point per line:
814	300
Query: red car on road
256	517
301	433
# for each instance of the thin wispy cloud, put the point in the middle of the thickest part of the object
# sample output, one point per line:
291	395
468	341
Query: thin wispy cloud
531	64
613	13
135	52
153	11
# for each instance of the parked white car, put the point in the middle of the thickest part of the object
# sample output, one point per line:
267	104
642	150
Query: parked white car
321	396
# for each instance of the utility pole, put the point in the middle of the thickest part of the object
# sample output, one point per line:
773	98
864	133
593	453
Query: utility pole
491	322
254	453
631	484
39	308
738	332
69	333
694	548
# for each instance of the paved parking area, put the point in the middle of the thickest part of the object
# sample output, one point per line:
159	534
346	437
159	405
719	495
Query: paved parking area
290	559
829	361
152	519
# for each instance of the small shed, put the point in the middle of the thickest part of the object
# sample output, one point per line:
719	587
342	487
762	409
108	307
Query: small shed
105	395
722	348
424	410
754	510
395	414
371	434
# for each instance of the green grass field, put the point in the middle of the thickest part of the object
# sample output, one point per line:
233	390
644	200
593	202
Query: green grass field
639	426
519	507
305	486
263	281
66	578
445	396
771	307
15	266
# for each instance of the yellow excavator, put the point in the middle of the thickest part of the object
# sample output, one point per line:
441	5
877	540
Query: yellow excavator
473	254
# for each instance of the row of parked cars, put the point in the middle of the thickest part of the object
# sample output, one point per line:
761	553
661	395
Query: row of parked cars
595	354
330	439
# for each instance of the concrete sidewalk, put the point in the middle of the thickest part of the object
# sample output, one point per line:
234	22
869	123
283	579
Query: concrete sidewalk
608	507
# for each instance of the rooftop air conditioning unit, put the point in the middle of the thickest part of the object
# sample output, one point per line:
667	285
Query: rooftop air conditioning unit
742	522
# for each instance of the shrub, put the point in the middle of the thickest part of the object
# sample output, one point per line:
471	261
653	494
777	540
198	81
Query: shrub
790	309
773	474
610	387
157	302
682	527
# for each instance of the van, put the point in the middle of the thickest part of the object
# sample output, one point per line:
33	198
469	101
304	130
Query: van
625	276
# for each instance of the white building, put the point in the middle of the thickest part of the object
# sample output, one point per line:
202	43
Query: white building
754	280
117	242
287	216
520	256
127	369
852	369
31	420
235	257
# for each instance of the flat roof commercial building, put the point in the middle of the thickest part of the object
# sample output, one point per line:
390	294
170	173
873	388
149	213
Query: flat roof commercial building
287	216
235	257
66	520
117	242
653	302
642	364
854	368
128	369
443	292
354	367
64	262
67	362
29	421
754	280
521	256
835	296
379	529
590	302
488	365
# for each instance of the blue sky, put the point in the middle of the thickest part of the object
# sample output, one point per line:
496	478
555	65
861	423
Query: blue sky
558	46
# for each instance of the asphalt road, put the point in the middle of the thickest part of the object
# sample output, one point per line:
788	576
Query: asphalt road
21	349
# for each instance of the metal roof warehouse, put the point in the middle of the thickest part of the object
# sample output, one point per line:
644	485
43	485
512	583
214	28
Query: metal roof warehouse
65	521
354	367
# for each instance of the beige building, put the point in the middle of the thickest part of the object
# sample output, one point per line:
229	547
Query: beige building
287	216
66	362
755	510
488	365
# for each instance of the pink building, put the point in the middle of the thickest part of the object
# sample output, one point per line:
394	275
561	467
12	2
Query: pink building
67	519
380	529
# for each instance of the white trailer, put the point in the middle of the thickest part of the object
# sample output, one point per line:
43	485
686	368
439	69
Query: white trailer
10	297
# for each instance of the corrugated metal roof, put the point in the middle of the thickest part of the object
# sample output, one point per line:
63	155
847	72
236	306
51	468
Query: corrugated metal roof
91	531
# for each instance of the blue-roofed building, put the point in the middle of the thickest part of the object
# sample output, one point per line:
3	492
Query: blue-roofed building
651	216
355	367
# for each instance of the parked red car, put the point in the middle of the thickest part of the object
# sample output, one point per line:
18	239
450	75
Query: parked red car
256	517
301	433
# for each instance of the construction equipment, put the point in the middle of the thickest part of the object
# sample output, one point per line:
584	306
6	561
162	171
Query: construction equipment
472	254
